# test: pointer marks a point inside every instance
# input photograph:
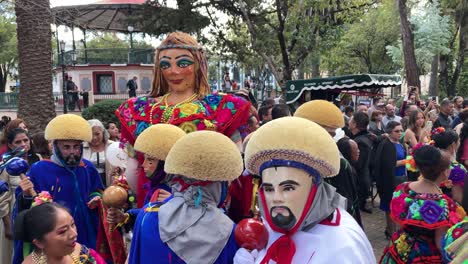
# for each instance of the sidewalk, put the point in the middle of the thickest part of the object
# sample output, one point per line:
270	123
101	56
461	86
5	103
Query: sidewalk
374	225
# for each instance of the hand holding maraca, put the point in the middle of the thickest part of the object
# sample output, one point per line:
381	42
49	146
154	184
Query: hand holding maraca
18	167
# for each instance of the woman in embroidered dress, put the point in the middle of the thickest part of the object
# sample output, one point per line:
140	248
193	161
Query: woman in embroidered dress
180	96
52	231
448	140
423	211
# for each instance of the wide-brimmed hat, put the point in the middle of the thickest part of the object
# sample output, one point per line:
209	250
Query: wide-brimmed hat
321	112
68	127
293	142
206	156
157	140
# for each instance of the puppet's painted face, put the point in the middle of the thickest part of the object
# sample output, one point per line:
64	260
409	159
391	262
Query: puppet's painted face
149	165
178	69
286	191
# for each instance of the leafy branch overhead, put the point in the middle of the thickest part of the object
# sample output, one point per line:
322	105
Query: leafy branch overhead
283	33
157	19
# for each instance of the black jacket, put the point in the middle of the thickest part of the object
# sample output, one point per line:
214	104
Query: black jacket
384	170
364	143
346	185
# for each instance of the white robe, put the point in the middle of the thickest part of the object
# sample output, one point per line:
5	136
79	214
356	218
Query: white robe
343	242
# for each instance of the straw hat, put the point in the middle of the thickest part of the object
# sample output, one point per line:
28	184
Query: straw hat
68	127
321	112
158	139
206	156
293	142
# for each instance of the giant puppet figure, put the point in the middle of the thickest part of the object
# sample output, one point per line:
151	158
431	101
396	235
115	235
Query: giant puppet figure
180	96
189	227
303	214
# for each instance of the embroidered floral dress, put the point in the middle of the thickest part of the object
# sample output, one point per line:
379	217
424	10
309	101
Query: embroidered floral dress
224	113
456	178
455	243
88	256
419	216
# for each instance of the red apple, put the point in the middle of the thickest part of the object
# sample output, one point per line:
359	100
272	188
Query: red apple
251	234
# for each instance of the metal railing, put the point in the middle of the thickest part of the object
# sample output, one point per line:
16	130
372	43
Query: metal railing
9	101
107	56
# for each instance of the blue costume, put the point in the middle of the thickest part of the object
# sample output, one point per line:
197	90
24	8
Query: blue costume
147	245
71	187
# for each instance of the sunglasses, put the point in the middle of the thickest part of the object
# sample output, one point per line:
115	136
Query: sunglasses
397	131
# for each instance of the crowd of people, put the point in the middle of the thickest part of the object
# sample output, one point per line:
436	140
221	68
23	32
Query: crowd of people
198	164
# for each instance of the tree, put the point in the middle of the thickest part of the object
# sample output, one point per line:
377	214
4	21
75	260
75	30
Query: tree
461	17
431	36
36	103
156	18
407	38
284	33
8	50
361	48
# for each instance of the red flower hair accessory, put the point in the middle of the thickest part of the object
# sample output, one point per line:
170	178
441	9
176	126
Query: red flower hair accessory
437	130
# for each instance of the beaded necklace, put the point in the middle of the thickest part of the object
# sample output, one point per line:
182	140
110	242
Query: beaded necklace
433	184
168	110
42	259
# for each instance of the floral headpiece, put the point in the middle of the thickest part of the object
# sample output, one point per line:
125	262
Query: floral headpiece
437	130
180	46
42	197
410	163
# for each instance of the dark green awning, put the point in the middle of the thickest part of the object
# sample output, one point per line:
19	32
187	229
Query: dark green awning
294	89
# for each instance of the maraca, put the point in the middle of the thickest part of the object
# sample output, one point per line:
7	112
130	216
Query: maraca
18	167
114	197
251	234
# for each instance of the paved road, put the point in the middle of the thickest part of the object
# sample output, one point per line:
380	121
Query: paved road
374	225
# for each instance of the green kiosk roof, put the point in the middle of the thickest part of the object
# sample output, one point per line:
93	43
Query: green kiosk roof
294	89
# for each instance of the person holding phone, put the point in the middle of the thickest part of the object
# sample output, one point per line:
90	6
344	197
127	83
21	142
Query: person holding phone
411	98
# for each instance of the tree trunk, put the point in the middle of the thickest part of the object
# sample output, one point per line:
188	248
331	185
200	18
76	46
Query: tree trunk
462	48
3	77
434	82
411	68
443	72
36	103
316	70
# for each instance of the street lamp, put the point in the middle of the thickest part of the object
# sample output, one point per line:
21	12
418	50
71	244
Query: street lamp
64	81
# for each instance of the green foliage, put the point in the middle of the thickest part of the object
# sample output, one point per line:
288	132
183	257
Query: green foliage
432	33
103	111
281	34
111	40
157	19
8	42
361	47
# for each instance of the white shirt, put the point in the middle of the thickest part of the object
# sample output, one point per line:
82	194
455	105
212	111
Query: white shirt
342	242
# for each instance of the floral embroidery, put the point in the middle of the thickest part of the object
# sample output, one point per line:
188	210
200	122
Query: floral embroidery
224	115
141	127
461	212
430	211
457	174
213	100
457	232
188	127
398	206
189	109
414	209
